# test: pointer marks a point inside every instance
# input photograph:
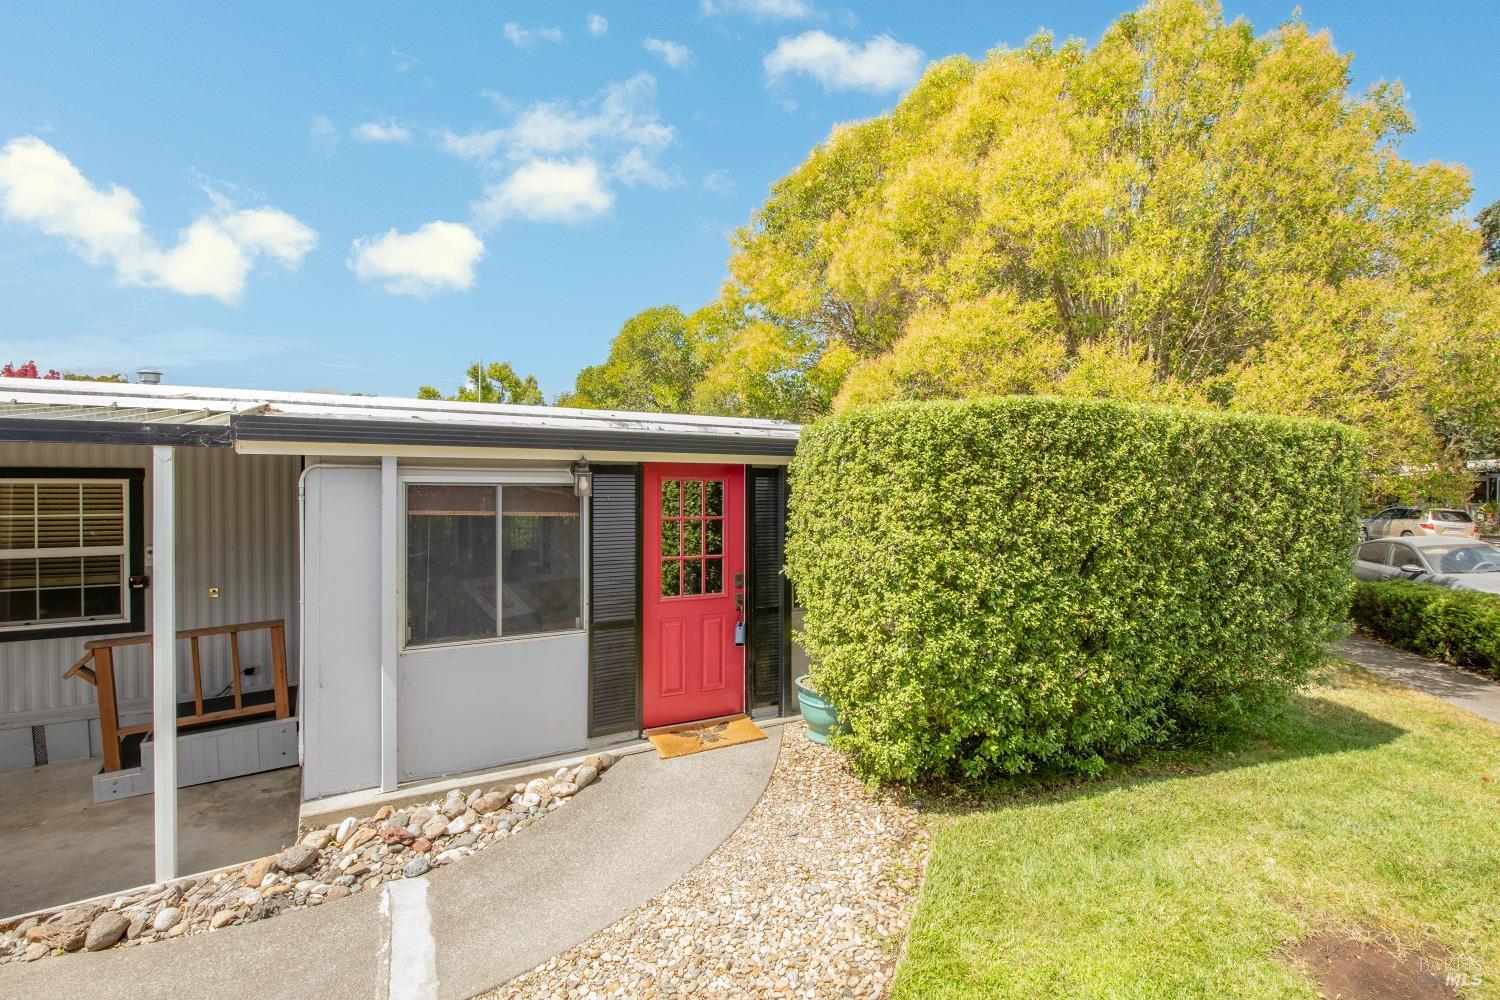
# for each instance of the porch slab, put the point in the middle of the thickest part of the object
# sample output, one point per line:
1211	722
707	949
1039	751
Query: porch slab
75	848
466	927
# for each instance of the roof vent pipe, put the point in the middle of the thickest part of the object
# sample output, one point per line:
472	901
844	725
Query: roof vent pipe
149	376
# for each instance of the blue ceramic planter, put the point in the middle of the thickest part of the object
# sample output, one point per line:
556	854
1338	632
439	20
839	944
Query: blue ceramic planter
821	717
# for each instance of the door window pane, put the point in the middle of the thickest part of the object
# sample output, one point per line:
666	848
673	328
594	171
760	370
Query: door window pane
713	576
714	499
540	562
450	563
713	538
671	578
692	577
671	498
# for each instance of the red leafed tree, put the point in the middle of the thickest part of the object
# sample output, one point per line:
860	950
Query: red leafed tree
27	370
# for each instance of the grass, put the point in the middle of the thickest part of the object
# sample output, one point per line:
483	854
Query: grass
1365	808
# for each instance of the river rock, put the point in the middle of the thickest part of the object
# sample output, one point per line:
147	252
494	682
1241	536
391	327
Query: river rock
421	845
488	803
396	835
256	871
457	826
435	827
71	928
166	919
137	926
297	858
107	928
585	775
418	865
563	789
222	919
318	839
359	838
344	830
384	813
454	806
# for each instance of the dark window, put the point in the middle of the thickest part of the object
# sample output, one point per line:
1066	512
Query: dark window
1452	516
486	561
1374	552
1403	555
539	565
65	551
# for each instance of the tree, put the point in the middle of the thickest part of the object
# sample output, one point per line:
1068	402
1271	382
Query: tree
27	369
653	364
82	377
495	383
1489	232
1184	212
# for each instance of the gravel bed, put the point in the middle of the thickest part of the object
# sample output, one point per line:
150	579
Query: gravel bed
810	897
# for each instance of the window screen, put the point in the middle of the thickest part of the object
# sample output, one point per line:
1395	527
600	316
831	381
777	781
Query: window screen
64	556
487	561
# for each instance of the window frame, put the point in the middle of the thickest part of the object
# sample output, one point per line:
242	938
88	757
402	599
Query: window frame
133	599
498	479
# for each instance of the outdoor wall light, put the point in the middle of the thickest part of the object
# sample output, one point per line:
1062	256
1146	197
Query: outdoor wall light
583	479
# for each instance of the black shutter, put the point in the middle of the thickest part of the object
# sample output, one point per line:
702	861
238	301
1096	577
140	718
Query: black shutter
766	655
614	600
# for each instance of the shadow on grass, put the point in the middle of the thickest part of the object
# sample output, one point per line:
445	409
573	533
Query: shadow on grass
1309	725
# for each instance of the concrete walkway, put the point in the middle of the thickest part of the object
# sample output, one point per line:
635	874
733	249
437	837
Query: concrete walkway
1449	684
466	927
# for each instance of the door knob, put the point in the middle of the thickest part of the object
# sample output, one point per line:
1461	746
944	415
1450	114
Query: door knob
739	581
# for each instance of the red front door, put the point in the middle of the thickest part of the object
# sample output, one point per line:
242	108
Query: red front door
694	556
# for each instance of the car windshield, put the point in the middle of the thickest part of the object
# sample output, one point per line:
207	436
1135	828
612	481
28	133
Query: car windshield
1473	557
1457	516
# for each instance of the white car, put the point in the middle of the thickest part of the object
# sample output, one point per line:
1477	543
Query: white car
1446	562
1409	522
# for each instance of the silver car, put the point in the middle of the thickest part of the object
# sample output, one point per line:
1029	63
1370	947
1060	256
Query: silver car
1446	562
1403	522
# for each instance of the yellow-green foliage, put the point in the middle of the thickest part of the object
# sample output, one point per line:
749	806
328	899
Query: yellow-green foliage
1184	212
996	584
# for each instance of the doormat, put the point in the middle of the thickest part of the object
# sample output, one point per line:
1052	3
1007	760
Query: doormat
679	741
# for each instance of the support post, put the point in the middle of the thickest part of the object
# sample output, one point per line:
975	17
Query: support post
164	657
390	619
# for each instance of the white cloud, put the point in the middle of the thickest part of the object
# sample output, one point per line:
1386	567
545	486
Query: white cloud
674	54
525	38
718	181
568	191
881	65
763	10
213	256
622	115
382	132
323	134
438	257
636	168
597	25
479	144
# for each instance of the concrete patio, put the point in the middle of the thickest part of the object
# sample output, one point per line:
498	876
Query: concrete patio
76	848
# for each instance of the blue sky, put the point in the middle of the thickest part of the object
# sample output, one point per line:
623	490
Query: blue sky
296	195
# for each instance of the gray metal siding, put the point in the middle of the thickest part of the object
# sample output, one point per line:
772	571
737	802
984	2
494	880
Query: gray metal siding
236	524
614	590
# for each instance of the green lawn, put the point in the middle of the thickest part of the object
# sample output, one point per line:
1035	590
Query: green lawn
1365	807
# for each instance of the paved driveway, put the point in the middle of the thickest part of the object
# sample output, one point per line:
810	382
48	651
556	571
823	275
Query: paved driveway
466	927
1450	684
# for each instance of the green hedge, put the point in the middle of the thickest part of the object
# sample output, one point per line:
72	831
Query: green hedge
992	585
1461	627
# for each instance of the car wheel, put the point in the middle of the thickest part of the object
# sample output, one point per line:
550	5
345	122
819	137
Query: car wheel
1406	534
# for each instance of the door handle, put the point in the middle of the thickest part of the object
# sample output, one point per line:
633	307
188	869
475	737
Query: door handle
739	602
739	581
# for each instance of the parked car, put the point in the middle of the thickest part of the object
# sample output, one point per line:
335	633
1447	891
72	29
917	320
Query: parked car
1463	564
1400	522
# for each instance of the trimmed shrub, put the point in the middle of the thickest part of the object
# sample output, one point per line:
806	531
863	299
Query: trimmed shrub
994	585
1461	627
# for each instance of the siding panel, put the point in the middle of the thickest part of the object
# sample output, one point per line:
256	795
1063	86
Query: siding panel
236	523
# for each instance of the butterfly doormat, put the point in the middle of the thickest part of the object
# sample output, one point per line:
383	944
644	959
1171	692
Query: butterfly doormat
679	741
